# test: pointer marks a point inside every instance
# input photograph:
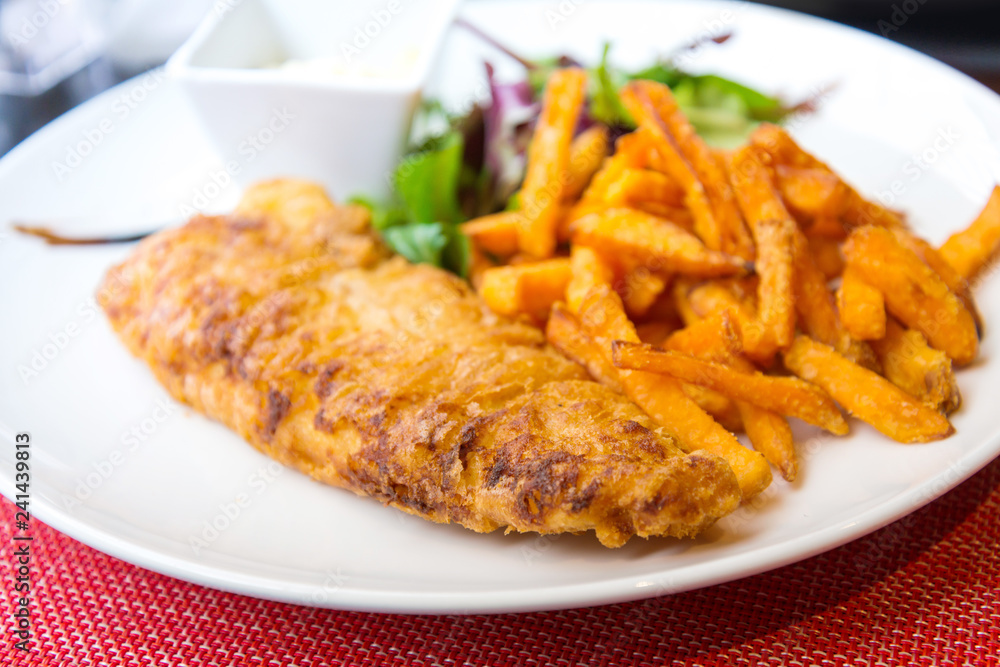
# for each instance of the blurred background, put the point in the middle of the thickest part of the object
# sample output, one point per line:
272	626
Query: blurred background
55	54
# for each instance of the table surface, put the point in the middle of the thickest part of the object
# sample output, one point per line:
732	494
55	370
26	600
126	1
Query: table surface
924	590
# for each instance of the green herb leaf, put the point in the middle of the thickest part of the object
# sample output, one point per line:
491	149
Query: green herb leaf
605	103
435	243
427	181
383	215
419	242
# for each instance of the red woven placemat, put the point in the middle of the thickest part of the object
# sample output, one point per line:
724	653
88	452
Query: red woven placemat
922	591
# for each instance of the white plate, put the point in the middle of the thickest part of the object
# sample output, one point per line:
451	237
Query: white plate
143	497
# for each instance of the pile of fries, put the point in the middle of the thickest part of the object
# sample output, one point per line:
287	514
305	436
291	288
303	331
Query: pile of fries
724	291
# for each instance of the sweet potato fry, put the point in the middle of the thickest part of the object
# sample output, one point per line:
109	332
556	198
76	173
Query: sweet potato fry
586	154
526	288
952	278
640	286
787	396
659	111
588	269
861	307
549	161
857	211
826	256
770	435
826	227
496	233
776	292
564	332
758	198
643	185
971	249
866	395
913	292
478	264
651	106
712	297
810	193
917	368
631	152
676	214
713	339
721	408
603	317
815	307
658	242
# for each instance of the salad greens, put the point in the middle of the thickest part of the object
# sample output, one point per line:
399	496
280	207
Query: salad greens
473	164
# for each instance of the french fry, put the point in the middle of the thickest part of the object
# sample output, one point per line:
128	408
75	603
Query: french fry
861	306
952	278
586	154
770	435
814	303
658	242
478	264
758	198
496	233
776	292
603	317
713	339
643	185
549	161
971	249
826	256
865	394
644	103
783	395
917	368
526	288
640	287
631	152
810	193
712	297
913	292
826	227
721	408
857	211
588	269
564	332
729	235
677	215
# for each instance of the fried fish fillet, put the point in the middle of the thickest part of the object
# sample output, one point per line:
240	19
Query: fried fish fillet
288	322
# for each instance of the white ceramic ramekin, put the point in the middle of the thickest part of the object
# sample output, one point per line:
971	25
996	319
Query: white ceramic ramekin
316	89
